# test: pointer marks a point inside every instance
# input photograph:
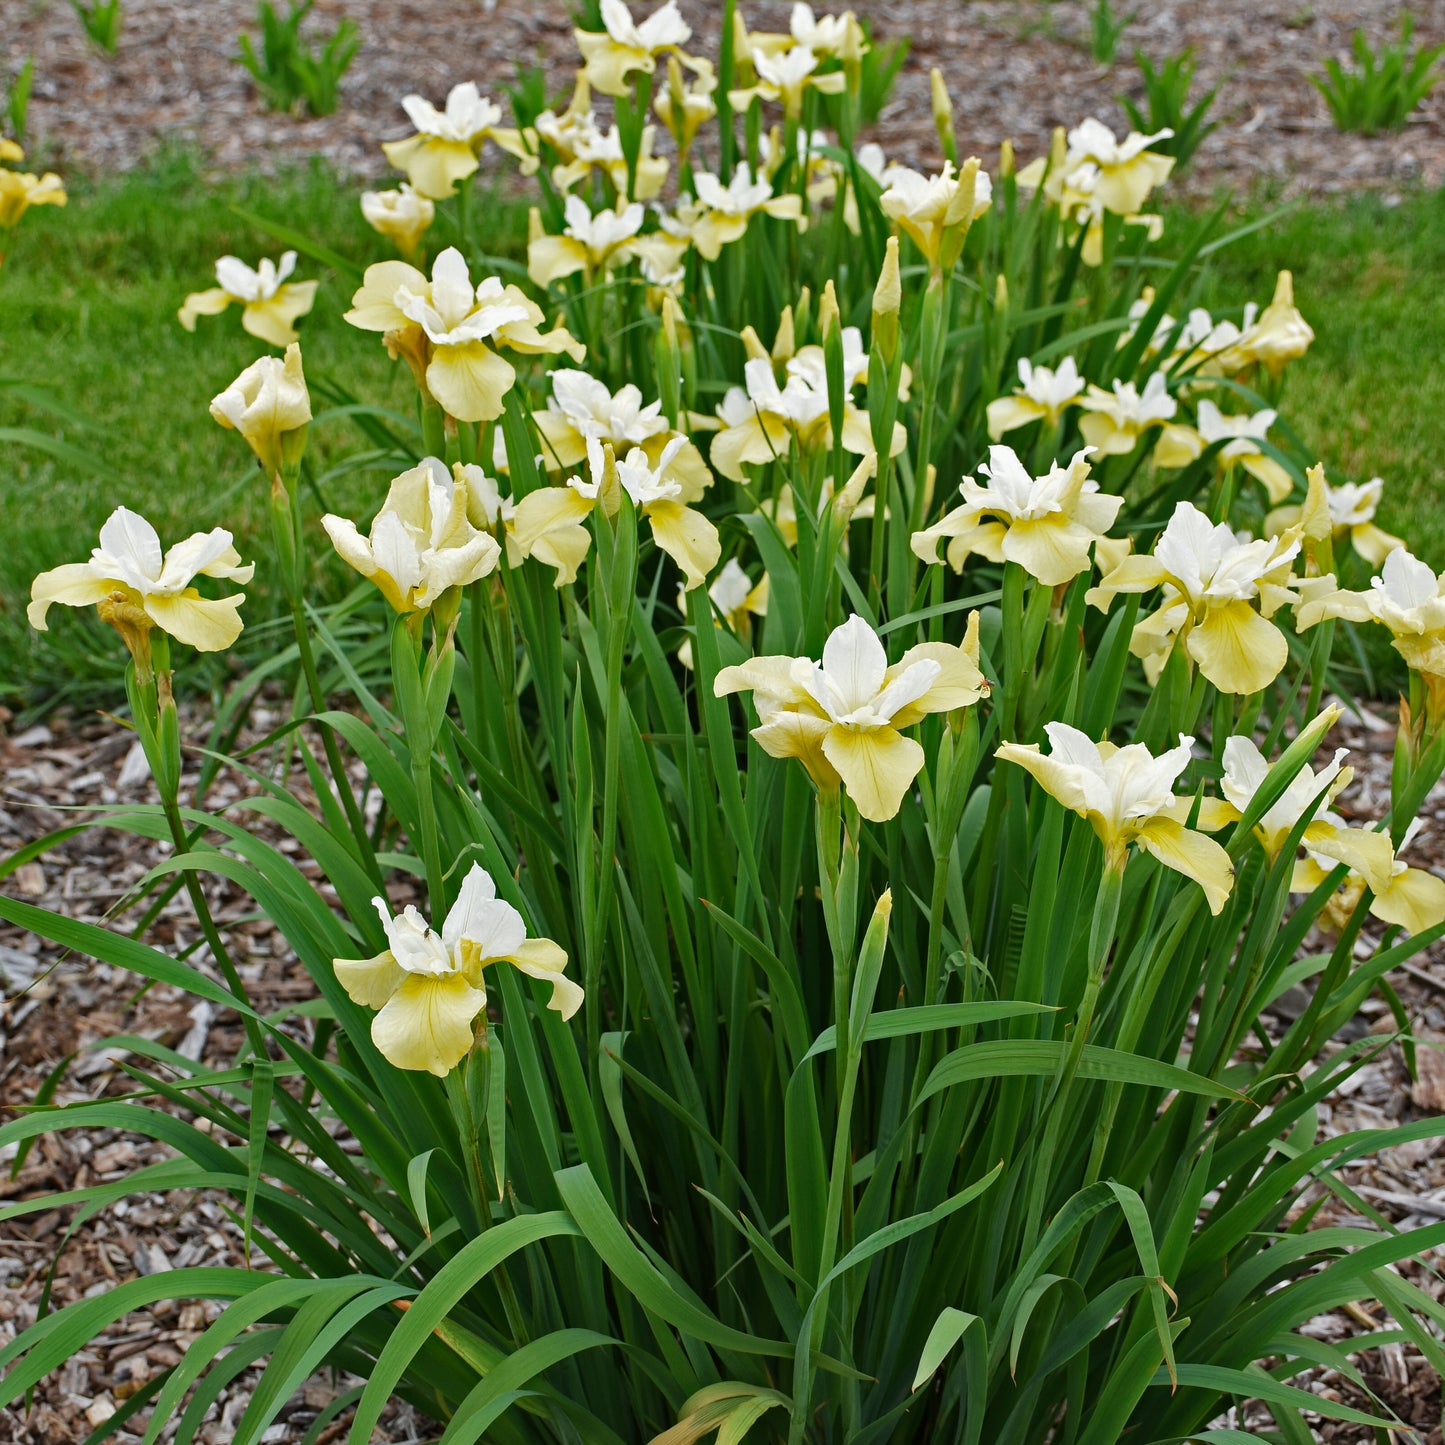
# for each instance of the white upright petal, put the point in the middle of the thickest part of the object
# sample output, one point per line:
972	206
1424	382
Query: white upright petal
130	542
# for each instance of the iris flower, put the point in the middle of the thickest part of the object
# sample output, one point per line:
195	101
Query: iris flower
1308	795
270	304
453	331
581	407
402	216
736	601
429	988
936	211
1411	898
842	718
1218	595
587	244
1113	421
1407	597
784	76
1127	794
623	46
1281	334
720	214
271	408
1350	509
1046	524
137	586
550	523
764	420
1042	394
421	543
1127	170
1241	436
447	142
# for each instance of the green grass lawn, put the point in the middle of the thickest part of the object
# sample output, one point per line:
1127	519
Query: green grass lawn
88	303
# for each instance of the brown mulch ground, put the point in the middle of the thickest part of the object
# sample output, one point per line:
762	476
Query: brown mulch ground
53	1005
1016	69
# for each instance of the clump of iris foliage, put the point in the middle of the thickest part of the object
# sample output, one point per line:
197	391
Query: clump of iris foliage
839	670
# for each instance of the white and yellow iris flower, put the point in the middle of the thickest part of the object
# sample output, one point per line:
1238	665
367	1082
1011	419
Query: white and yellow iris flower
421	544
1350	509
448	142
550	523
736	601
1240	437
136	585
1407	597
1043	394
1127	171
581	407
685	106
842	718
271	408
1281	334
270	303
1411	898
453	331
719	215
624	46
403	216
763	420
1127	795
834	35
784	76
1307	797
429	988
1113	421
1046	524
588	243
936	211
1218	595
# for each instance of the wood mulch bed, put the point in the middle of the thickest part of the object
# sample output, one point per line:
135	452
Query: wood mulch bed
1016	69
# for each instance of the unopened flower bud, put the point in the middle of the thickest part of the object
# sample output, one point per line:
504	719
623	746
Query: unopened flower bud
943	113
784	343
887	301
828	321
1005	160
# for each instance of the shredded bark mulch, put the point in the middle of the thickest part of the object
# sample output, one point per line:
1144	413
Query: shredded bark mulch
1016	69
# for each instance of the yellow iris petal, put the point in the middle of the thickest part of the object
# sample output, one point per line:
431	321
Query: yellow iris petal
427	1023
470	381
877	767
688	537
1191	854
1415	900
370	981
1237	649
209	624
